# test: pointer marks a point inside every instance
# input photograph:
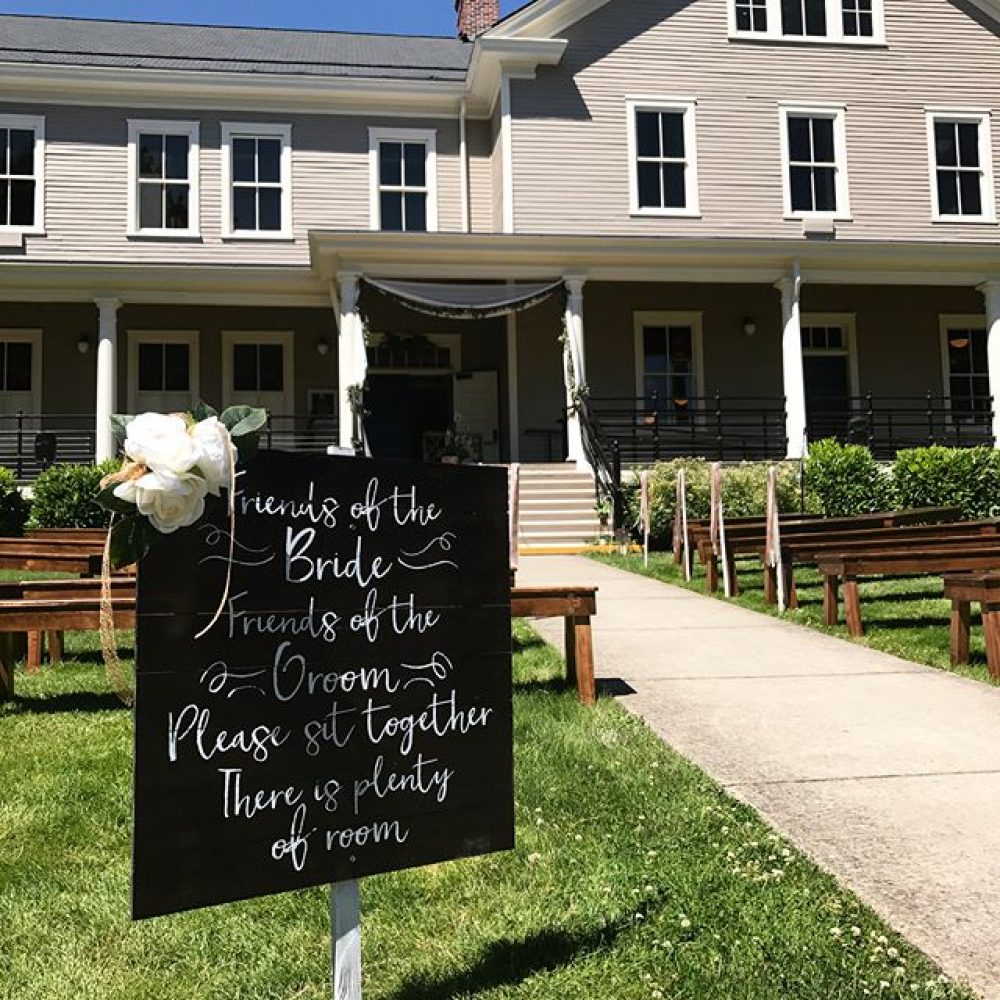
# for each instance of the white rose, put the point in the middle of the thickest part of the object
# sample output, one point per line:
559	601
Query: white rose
212	440
169	501
161	443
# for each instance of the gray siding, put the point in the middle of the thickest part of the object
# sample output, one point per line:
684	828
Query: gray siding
572	118
496	167
86	194
480	145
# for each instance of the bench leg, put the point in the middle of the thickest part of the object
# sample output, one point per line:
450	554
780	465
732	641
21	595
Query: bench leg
791	591
852	607
570	646
831	600
770	584
961	623
56	641
991	632
712	574
734	577
34	652
13	646
586	686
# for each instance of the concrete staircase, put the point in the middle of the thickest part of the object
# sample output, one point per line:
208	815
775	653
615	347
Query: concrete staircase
557	509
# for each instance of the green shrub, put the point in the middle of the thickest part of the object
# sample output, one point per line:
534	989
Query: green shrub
13	506
844	479
968	478
744	493
65	496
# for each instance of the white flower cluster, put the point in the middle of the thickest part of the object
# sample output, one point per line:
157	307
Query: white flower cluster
173	465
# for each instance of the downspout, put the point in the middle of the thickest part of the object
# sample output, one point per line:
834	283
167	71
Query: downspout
463	153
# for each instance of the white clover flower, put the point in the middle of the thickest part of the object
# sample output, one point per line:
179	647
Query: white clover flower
169	501
161	443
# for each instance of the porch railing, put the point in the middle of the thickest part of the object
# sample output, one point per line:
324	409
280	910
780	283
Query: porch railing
888	424
726	428
31	442
305	434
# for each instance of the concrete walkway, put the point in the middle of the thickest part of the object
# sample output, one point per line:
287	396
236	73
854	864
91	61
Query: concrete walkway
886	773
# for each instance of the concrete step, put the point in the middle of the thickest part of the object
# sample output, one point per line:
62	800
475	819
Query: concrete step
582	525
533	505
557	486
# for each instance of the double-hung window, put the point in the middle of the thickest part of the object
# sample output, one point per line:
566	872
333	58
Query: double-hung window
403	166
22	156
858	22
961	161
163	178
257	181
967	376
814	155
663	155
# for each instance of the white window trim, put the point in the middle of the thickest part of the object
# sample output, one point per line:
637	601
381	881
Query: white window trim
837	112
37	124
137	337
286	338
983	119
693	319
167	127
428	137
848	323
687	107
947	323
256	130
834	24
35	338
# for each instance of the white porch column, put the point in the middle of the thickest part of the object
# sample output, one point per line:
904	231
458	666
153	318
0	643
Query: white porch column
107	376
991	293
574	367
791	361
349	329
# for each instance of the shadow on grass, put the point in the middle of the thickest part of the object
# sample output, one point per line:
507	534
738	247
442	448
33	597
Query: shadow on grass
90	657
921	623
76	701
534	642
509	962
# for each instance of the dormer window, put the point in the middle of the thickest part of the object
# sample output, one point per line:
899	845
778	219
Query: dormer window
850	22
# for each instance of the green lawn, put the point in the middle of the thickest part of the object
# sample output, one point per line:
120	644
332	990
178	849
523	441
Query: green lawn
634	877
907	617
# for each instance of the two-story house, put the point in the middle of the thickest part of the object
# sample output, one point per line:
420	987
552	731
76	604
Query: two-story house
736	224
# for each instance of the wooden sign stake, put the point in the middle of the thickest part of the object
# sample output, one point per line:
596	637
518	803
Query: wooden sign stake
345	950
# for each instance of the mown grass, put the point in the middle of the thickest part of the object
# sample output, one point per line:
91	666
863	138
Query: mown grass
907	617
634	877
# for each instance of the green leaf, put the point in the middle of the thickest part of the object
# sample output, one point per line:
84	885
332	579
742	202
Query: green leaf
106	498
119	425
242	421
131	539
203	411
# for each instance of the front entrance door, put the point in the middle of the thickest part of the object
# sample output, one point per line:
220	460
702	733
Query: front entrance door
20	372
477	411
162	371
257	370
408	411
827	349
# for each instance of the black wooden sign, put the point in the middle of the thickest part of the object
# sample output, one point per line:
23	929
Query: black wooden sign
350	711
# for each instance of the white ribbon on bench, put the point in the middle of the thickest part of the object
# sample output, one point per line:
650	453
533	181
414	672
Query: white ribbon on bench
773	541
718	528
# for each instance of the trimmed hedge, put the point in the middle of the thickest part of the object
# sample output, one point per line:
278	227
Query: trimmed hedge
744	493
65	496
844	479
14	507
968	478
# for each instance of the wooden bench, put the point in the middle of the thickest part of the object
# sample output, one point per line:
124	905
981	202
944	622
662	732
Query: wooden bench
807	551
576	605
51	615
958	557
983	589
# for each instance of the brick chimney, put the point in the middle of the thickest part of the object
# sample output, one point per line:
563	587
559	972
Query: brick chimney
476	16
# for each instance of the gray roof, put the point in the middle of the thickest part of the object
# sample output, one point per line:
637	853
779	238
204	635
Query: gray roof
79	42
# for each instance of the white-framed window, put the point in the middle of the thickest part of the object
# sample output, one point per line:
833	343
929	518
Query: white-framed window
163	178
256	181
669	372
403	168
663	157
20	372
960	152
163	370
849	22
966	368
22	173
814	162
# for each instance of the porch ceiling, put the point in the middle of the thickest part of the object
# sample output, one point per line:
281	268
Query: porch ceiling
662	259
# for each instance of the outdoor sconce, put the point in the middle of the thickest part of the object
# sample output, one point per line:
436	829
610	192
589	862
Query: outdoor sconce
83	344
323	347
750	326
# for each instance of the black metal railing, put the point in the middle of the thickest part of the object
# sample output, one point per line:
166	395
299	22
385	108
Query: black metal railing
726	428
31	442
304	434
606	463
888	424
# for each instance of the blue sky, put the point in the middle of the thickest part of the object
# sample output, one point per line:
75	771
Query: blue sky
429	17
